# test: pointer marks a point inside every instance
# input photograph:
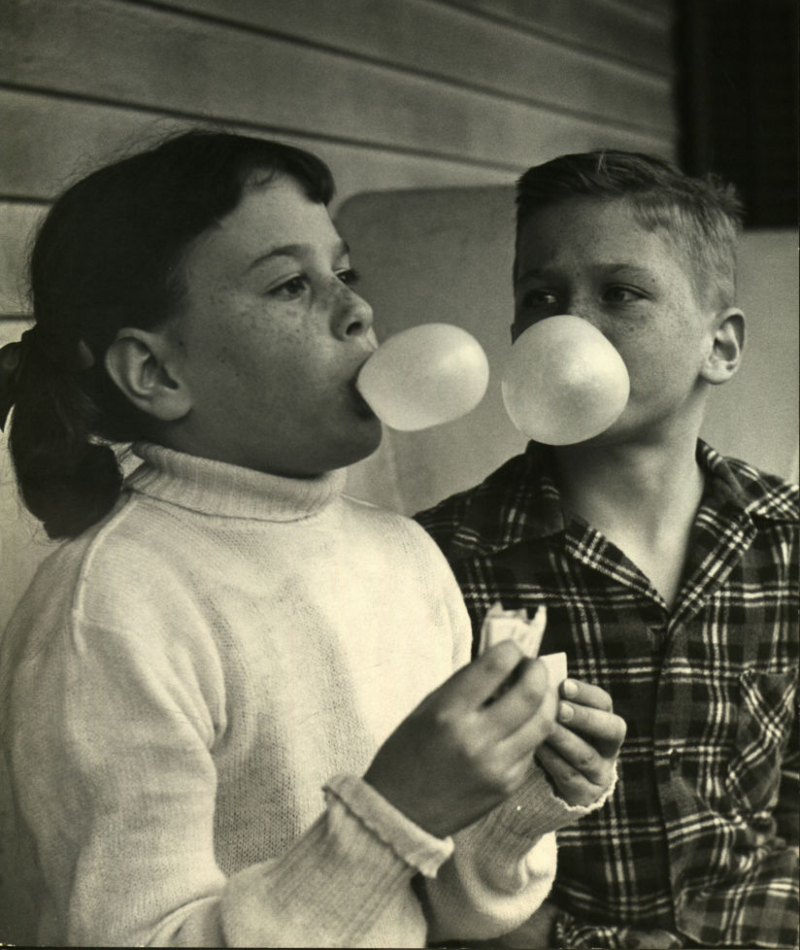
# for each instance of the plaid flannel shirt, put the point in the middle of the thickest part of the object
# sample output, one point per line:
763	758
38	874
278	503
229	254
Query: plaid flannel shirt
700	837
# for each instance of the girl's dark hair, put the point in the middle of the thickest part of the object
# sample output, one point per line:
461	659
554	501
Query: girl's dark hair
108	255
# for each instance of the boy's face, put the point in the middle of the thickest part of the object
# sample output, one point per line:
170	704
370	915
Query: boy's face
270	339
590	258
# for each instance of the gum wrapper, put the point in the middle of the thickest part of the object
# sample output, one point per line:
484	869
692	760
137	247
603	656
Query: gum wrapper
500	624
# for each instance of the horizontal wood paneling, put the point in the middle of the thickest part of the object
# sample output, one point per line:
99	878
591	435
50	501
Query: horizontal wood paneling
183	67
451	44
81	134
634	31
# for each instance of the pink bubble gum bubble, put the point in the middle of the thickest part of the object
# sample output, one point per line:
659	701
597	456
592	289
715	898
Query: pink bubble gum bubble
564	382
425	376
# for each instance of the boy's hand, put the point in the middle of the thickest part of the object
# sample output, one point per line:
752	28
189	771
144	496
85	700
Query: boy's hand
581	754
468	745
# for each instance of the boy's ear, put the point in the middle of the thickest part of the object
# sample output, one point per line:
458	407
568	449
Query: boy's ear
139	363
725	355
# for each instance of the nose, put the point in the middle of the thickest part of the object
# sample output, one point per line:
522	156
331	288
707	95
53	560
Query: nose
352	315
587	308
576	303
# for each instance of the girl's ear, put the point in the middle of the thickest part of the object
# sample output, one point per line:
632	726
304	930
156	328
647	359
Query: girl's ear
139	362
725	356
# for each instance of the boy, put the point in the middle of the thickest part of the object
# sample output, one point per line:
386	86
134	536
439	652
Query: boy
669	573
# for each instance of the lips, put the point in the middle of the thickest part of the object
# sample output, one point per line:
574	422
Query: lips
362	406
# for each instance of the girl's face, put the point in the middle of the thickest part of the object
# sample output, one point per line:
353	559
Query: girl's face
270	339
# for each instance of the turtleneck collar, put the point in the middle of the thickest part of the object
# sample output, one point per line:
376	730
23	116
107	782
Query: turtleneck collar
230	491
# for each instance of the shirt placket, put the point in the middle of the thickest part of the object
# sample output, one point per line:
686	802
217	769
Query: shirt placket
692	717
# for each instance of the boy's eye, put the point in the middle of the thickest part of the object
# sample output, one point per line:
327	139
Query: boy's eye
538	298
349	277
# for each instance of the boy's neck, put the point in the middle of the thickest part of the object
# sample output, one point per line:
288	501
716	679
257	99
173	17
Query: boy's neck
642	497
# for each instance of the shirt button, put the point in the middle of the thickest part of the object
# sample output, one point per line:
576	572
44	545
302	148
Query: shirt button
674	759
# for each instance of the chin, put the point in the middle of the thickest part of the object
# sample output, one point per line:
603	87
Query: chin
370	437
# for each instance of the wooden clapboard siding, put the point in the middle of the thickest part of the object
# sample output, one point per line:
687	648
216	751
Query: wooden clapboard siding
80	134
160	60
83	134
632	31
445	43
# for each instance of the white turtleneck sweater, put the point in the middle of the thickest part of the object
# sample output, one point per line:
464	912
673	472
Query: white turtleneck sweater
183	681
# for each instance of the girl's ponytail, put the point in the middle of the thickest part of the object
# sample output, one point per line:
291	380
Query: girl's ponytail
67	478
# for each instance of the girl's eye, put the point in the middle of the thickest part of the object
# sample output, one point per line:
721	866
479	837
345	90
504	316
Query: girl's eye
349	277
290	288
618	294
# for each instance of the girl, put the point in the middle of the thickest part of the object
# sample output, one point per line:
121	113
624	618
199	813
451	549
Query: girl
226	634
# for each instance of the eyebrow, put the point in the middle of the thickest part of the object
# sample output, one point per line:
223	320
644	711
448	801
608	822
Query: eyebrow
610	269
340	249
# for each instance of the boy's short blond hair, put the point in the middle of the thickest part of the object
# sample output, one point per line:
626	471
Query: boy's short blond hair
702	217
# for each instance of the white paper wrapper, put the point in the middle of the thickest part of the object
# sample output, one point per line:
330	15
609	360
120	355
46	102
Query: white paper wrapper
556	664
500	624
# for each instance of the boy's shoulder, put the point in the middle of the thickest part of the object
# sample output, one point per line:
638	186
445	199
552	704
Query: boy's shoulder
478	516
763	494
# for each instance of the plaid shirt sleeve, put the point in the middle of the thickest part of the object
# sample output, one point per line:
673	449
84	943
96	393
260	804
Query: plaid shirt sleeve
699	840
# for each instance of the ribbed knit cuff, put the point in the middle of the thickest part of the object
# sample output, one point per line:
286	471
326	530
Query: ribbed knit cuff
536	809
408	841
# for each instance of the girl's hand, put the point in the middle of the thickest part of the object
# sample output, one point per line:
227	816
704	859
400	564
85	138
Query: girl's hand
469	744
581	754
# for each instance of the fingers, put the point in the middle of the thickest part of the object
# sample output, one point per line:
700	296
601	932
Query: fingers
473	685
586	694
579	754
604	730
523	695
524	716
573	785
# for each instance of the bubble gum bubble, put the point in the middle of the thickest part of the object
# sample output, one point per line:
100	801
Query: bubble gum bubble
425	376
564	382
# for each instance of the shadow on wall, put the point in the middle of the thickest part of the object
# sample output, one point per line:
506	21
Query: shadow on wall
446	256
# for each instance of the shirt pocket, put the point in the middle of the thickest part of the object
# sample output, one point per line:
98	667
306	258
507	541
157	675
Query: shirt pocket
764	722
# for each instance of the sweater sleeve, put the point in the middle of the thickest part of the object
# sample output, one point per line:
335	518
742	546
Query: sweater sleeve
111	744
503	865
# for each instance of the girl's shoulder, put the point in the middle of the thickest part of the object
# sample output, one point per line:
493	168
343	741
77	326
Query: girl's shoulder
392	525
99	566
404	543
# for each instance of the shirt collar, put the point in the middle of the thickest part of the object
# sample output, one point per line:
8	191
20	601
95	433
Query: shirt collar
521	500
735	484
